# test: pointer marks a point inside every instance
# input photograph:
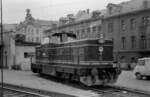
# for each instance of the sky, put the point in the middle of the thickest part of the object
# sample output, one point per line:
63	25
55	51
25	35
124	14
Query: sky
14	11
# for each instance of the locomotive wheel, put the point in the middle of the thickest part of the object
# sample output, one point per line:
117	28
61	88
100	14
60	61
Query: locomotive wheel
34	70
138	76
86	80
75	77
65	75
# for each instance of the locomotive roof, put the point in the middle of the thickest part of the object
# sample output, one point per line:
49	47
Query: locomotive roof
88	39
79	42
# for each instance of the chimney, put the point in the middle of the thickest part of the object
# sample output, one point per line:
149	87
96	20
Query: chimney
70	16
88	11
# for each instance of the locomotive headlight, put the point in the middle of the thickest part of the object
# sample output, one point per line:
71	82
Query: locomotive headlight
44	54
100	49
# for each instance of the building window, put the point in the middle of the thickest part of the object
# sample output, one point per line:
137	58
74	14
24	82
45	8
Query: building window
83	33
32	39
145	20
123	25
133	42
145	4
110	10
37	39
94	29
99	28
133	23
88	29
32	30
28	39
88	32
37	31
149	42
78	34
28	30
110	27
123	42
25	54
143	42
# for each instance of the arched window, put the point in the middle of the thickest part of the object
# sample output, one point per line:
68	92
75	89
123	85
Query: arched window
133	42
123	42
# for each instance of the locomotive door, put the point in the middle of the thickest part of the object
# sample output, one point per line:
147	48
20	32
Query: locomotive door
75	55
81	54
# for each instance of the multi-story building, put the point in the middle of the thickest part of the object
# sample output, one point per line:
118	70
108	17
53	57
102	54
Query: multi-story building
32	29
128	24
21	39
84	25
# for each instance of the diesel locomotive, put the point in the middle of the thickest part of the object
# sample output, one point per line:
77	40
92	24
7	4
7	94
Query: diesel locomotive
89	61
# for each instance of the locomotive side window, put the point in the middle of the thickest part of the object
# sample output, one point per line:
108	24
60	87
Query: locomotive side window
81	54
75	54
38	54
52	53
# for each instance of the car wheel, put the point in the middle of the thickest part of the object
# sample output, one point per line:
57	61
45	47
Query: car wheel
138	76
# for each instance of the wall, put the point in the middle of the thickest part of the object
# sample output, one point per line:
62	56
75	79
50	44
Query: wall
128	52
20	59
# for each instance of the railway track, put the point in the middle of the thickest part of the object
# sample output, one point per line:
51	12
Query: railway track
104	91
11	92
114	92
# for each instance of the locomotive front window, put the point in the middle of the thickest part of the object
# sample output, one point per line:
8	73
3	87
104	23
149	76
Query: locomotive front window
141	62
38	53
43	54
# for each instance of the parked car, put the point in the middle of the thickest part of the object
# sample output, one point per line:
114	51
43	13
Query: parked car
142	69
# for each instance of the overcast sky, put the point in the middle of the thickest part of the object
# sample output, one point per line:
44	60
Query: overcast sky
14	10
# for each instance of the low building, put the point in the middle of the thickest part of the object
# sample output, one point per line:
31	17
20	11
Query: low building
24	54
15	49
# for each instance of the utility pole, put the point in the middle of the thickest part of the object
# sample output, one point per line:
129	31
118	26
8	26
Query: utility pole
2	47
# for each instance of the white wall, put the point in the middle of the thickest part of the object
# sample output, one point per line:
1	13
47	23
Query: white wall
20	60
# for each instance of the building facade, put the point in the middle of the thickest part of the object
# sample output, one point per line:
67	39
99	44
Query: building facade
32	28
128	24
84	25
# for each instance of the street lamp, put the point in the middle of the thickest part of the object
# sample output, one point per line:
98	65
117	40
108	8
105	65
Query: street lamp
1	51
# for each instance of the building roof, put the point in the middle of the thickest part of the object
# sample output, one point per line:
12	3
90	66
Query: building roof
44	22
126	7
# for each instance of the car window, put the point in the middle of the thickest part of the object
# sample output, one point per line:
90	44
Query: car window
141	62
